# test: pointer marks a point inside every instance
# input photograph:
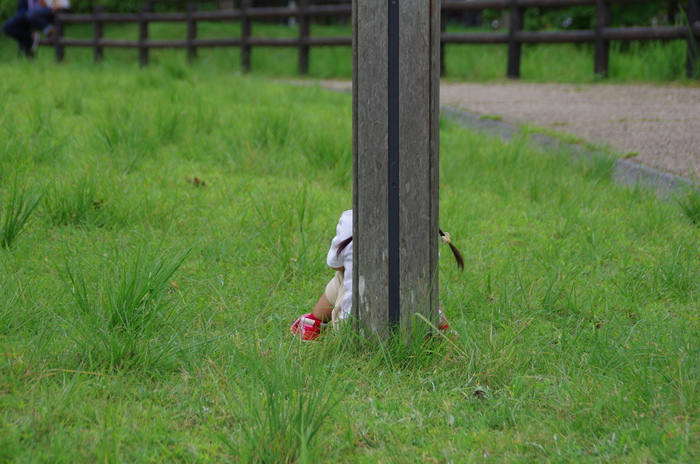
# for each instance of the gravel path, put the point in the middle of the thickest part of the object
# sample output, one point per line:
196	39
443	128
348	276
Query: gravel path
655	126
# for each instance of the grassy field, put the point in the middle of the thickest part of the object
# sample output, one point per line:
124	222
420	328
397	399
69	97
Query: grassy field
659	62
161	229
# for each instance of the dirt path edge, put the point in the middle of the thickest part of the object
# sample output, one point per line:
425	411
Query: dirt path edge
626	172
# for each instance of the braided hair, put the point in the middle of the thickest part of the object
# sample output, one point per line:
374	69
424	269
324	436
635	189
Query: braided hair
444	238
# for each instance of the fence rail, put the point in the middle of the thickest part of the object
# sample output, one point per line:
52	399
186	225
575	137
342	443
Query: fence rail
601	35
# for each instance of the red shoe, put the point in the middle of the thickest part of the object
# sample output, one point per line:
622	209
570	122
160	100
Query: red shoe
443	325
308	327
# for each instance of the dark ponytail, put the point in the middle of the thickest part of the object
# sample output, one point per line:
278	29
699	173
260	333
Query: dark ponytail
341	246
458	256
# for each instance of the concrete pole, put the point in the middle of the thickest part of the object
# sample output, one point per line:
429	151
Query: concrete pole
396	111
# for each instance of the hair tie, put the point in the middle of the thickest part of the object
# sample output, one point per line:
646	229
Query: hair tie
445	238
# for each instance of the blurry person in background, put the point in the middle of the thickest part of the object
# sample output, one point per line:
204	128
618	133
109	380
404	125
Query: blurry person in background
33	17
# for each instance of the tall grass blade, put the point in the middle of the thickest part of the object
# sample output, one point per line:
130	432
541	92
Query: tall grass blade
16	211
285	401
126	315
688	199
75	203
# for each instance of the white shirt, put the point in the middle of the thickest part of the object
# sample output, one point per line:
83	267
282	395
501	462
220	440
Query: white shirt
343	231
59	3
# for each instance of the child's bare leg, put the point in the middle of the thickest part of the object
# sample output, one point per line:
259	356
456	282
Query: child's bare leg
323	309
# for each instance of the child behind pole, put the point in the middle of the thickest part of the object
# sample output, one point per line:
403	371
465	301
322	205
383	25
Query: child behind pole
336	302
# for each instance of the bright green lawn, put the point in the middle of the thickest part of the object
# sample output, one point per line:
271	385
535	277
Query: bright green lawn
144	314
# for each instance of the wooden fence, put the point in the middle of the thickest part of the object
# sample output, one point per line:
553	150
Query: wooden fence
304	12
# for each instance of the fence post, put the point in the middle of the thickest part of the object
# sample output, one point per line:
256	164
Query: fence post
245	35
672	11
191	32
58	27
97	33
304	30
692	65
602	46
396	82
514	46
143	36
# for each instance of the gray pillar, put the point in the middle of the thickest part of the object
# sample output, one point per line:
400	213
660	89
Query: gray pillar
396	82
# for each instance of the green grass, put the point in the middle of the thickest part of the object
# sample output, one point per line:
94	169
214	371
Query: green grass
568	63
688	198
145	316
